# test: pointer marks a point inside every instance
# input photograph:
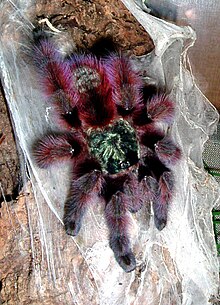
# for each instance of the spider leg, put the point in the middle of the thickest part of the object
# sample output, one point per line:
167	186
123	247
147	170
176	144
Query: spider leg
57	147
148	176
149	135
135	193
167	151
117	218
158	181
81	195
94	92
158	108
152	137
140	116
161	153
97	109
66	114
125	81
56	80
161	108
164	196
54	71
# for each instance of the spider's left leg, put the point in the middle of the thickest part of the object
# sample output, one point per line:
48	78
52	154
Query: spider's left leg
167	151
118	218
93	91
84	189
164	197
135	192
158	182
125	81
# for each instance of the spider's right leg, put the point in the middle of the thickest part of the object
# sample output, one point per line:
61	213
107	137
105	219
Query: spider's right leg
58	147
85	187
54	70
118	217
56	80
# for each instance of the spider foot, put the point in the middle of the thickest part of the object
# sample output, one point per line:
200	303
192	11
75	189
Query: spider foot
160	215
72	228
117	218
73	216
120	245
160	205
126	261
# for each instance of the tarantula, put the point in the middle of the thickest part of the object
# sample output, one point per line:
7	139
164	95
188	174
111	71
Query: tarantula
113	131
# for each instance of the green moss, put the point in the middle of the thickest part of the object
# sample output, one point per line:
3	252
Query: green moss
115	147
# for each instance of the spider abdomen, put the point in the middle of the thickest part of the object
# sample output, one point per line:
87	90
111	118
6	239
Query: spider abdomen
85	79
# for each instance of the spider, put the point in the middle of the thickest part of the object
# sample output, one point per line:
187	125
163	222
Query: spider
114	132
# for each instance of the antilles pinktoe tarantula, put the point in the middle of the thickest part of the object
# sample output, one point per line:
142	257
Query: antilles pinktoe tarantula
110	134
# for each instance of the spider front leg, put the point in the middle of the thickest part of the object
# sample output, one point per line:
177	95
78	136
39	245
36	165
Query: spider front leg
158	182
117	217
134	192
125	81
66	115
164	197
85	187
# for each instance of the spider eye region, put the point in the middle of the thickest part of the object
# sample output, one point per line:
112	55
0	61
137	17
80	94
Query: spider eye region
115	146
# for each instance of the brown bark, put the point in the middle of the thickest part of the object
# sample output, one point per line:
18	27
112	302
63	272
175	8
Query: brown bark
88	20
25	272
9	164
